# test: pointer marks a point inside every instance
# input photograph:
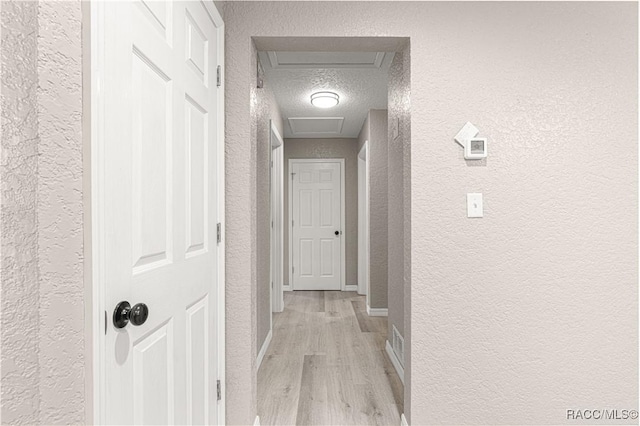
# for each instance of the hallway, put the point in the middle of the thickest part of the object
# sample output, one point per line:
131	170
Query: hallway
327	365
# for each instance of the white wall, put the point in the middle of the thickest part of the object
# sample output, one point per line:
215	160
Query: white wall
19	232
542	315
43	328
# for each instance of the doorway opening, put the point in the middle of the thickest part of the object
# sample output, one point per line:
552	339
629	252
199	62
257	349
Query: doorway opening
332	326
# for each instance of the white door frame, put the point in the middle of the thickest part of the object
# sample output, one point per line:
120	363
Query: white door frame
363	221
277	221
343	225
100	315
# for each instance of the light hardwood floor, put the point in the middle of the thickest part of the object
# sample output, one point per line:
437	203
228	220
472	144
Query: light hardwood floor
327	365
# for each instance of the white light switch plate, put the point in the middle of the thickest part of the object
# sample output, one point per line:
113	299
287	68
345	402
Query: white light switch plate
474	204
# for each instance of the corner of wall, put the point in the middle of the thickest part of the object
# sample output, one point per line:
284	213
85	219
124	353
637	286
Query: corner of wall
42	363
60	213
20	298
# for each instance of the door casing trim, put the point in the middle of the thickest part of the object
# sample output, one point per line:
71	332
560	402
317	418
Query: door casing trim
364	237
277	228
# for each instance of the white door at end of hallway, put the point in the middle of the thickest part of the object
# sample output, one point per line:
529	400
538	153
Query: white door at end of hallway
317	229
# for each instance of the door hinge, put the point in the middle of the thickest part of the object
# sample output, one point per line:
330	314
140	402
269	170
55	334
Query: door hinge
219	387
293	269
219	232
293	223
218	76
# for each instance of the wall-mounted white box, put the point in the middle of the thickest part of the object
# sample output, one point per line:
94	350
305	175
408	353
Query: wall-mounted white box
475	149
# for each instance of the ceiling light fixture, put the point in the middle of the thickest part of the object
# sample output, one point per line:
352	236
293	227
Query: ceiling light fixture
325	99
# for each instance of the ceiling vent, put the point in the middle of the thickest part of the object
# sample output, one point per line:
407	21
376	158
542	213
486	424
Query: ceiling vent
330	59
316	126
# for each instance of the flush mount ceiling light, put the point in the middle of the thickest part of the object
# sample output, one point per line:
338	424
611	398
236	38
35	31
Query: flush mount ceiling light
325	99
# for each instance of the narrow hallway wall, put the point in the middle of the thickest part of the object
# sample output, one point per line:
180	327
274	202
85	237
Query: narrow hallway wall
374	130
396	195
265	109
399	137
399	145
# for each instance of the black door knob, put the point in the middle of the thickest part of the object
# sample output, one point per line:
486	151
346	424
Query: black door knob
138	314
337	232
124	313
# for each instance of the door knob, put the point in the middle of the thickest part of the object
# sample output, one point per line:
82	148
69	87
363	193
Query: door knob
337	232
124	313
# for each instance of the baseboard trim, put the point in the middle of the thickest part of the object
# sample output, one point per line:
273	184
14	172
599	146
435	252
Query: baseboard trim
351	287
263	349
377	312
395	361
286	287
403	420
257	421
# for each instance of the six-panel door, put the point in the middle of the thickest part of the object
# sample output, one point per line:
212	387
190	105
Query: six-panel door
316	226
160	210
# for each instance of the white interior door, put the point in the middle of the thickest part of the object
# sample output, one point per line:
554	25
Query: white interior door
317	224
159	209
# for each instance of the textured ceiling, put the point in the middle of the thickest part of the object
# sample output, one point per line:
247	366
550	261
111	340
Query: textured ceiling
360	89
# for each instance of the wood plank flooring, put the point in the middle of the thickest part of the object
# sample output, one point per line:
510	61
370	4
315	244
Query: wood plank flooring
327	365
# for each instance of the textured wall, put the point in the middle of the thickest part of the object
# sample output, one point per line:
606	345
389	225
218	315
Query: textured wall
329	148
396	194
542	315
60	209
42	278
400	213
375	131
532	309
240	231
19	238
405	133
265	109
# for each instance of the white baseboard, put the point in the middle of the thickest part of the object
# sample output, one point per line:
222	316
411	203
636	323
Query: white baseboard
395	361
403	420
351	287
263	349
286	287
257	421
377	312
